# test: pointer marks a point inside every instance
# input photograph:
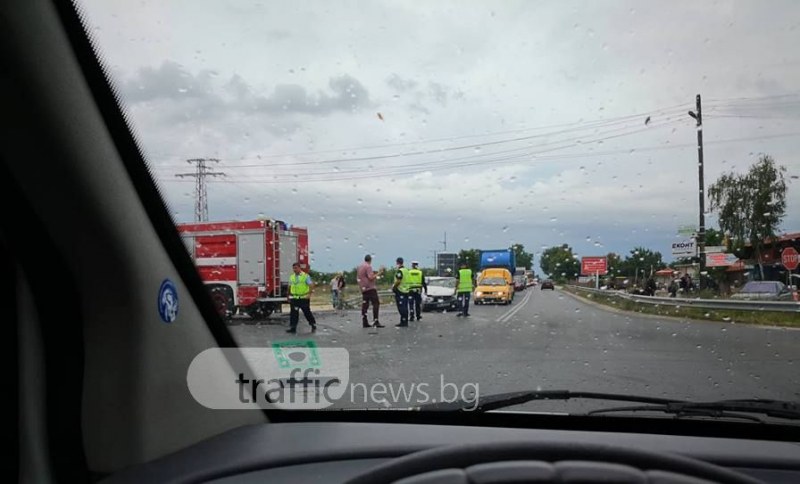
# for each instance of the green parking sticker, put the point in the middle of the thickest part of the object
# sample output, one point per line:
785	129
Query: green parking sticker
296	354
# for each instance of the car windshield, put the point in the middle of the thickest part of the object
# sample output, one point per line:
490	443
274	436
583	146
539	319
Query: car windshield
647	148
447	283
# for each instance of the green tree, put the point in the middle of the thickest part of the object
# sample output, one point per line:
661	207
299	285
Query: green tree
472	257
614	264
714	237
641	263
524	259
559	263
613	261
750	206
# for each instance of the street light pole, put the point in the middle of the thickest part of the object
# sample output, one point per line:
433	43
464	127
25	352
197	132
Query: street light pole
701	229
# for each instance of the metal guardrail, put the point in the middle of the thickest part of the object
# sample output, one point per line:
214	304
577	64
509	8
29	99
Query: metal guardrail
355	301
733	304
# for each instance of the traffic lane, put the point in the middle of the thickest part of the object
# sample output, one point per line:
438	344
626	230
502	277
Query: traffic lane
554	342
606	350
441	350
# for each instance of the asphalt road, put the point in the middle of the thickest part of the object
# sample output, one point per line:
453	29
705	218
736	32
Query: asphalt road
550	340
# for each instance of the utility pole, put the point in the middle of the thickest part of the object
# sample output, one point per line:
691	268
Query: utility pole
701	229
444	242
200	193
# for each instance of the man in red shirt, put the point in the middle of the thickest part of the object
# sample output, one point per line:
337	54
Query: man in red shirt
369	292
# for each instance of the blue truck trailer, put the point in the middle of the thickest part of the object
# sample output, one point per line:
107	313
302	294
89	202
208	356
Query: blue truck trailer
502	258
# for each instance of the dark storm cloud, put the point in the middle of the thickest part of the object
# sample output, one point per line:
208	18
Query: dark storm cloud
348	94
396	82
172	82
169	80
419	96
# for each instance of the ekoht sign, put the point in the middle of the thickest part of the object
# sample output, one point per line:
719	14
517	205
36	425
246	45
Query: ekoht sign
684	248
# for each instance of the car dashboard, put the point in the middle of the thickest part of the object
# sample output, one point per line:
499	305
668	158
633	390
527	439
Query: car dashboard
341	451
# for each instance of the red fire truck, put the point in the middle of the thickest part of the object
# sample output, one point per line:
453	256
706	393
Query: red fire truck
246	265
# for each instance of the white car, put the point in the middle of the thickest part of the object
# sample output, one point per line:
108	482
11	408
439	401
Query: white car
441	294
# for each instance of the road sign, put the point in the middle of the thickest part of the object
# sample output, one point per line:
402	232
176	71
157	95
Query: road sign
594	265
712	249
684	248
790	258
720	259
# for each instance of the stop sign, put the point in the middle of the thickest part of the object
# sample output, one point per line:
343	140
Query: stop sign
790	258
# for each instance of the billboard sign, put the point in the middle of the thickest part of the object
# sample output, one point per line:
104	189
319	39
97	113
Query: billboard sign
720	259
594	265
684	248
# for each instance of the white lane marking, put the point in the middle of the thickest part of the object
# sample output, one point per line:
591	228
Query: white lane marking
514	310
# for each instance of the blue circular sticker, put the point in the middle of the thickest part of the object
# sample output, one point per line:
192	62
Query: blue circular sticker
168	301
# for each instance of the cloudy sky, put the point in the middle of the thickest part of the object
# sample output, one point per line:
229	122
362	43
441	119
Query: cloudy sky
383	125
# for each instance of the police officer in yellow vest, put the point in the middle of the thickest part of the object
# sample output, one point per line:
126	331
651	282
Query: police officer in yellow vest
464	288
417	284
300	286
401	289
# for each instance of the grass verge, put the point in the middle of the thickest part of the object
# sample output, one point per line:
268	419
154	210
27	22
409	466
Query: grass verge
766	318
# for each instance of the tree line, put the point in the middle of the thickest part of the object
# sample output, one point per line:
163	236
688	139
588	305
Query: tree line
749	207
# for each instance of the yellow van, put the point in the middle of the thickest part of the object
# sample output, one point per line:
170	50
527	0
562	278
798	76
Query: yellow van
495	285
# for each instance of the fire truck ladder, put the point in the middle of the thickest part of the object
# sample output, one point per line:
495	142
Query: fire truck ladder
276	260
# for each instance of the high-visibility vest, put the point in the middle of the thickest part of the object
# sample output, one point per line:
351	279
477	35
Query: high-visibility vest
298	285
465	280
405	284
415	278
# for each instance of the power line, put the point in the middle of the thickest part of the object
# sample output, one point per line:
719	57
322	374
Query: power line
481	159
474	146
469	160
576	126
201	195
508	160
740	102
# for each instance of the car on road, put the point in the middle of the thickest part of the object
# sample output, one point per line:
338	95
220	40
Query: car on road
548	284
520	283
764	291
440	294
494	290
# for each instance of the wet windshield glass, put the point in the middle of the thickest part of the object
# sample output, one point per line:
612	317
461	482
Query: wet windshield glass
640	155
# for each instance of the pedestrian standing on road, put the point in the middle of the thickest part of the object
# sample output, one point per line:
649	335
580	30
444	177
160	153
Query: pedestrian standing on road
335	295
686	283
300	288
417	284
464	283
401	289
366	277
341	284
650	287
673	287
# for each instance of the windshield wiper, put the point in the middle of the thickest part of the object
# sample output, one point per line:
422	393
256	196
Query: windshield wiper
714	409
719	409
502	400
